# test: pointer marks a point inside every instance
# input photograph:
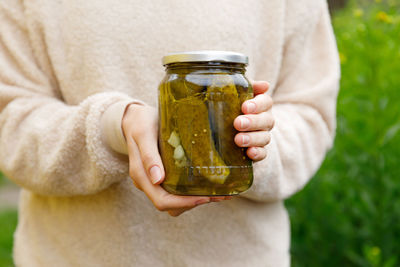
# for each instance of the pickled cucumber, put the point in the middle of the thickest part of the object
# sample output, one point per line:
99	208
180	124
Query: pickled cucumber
174	172
224	105
194	130
184	87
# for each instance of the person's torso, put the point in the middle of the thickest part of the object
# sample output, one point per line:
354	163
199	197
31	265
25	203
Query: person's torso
86	47
94	46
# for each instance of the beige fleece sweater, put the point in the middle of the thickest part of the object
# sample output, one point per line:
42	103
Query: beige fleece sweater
67	71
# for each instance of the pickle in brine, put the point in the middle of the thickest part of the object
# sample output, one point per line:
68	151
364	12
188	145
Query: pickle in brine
224	105
185	86
167	149
195	134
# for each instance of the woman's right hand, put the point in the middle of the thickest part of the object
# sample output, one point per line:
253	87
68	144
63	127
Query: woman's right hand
140	127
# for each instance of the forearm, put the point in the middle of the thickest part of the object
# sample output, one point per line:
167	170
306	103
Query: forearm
51	148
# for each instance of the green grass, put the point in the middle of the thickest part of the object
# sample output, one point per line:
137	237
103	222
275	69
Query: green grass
8	223
349	214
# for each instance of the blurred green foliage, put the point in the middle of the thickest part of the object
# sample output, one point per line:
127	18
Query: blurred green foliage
8	223
2	179
349	214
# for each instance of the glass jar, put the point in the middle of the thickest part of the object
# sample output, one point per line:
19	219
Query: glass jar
199	98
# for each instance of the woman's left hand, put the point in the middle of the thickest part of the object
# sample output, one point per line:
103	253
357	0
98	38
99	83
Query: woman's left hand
255	124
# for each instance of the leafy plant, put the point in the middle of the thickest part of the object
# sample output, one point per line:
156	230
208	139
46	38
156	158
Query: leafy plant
349	213
8	223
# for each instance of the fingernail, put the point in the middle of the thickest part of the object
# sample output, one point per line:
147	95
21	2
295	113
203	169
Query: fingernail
215	199
244	123
245	139
254	152
202	201
251	107
155	174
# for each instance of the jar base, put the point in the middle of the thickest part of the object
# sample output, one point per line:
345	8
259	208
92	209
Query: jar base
201	191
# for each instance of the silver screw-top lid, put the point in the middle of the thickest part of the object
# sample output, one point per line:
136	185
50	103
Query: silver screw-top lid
205	56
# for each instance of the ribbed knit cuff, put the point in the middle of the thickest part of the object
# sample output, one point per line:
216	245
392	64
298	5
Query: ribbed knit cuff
112	125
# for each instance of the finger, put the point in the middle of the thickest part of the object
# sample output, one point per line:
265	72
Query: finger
145	136
258	104
135	165
260	87
147	144
254	122
166	202
177	212
256	153
136	185
217	199
220	198
249	139
160	198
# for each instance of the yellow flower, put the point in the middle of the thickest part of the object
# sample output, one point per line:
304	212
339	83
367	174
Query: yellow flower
358	12
342	57
384	17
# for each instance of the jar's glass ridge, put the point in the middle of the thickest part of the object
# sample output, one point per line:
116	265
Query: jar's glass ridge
198	102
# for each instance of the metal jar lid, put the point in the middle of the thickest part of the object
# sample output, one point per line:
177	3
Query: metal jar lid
205	56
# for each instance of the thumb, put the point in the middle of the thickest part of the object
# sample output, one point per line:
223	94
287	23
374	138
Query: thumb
151	159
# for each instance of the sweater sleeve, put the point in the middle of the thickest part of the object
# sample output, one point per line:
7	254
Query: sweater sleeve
46	145
304	111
